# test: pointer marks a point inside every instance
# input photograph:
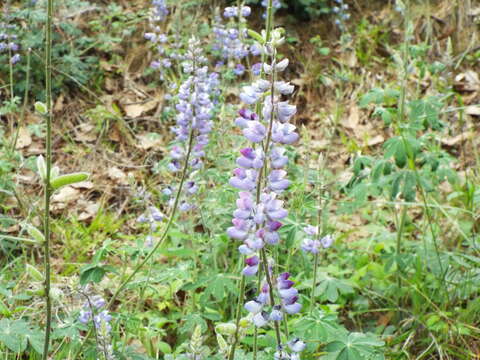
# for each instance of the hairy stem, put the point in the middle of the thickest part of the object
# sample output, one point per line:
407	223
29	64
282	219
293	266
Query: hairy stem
47	188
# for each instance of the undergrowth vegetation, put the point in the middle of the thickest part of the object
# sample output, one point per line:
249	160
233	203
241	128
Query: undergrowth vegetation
259	179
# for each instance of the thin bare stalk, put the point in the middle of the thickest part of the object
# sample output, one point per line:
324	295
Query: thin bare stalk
25	101
47	188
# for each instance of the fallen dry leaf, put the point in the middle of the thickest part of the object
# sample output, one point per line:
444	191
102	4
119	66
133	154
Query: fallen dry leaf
65	195
455	140
378	139
136	110
83	185
353	118
85	133
473	110
24	138
149	140
89	211
118	175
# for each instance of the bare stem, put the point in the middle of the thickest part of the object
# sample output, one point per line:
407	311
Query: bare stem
47	188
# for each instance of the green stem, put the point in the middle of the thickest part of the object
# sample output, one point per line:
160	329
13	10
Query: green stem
47	188
312	294
167	228
399	244
25	101
231	355
263	255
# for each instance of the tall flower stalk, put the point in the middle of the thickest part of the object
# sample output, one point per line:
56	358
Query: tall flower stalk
47	187
192	128
262	179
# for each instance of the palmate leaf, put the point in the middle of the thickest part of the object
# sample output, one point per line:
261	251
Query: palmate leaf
17	334
318	327
331	288
219	286
355	346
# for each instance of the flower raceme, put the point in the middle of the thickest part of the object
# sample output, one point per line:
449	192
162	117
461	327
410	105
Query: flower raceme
194	117
262	179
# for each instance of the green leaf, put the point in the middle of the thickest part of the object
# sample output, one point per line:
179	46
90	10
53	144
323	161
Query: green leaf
253	34
93	273
354	346
68	179
35	233
12	334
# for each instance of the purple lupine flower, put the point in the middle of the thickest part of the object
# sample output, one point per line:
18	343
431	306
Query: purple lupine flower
277	181
252	266
263	297
244	179
239	230
239	70
196	98
251	159
310	230
327	241
297	345
255	131
245	117
276	314
228	39
85	316
257	69
259	209
15	59
256	50
311	246
284	133
253	306
159	10
277	158
260	319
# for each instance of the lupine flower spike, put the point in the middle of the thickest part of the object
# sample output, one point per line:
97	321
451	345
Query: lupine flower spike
262	179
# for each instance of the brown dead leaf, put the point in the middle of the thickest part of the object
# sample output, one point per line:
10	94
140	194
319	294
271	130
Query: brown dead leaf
85	133
118	175
473	110
136	110
376	140
83	185
455	140
89	211
24	138
59	104
353	118
149	140
467	81
65	195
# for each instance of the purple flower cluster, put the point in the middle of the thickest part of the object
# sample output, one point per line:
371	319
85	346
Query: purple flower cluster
296	346
341	12
230	39
168	47
94	310
159	10
9	40
310	245
152	216
261	177
194	116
